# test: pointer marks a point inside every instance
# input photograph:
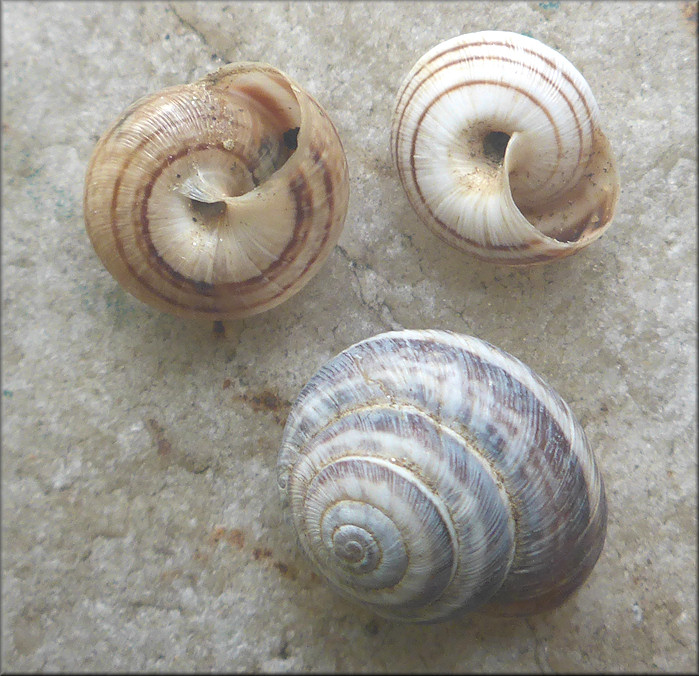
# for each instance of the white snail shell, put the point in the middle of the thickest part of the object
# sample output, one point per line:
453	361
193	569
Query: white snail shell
221	198
497	143
428	473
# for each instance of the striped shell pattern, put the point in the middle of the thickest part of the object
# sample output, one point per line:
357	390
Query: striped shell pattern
497	143
428	474
221	198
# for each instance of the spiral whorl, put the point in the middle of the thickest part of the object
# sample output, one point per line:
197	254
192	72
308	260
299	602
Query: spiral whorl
428	473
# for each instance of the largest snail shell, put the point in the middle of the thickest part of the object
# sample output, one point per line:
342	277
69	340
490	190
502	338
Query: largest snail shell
221	198
497	143
428	473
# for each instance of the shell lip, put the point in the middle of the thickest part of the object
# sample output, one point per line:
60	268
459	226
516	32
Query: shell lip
293	138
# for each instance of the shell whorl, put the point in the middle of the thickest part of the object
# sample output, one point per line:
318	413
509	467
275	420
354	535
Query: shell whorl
497	143
428	473
221	198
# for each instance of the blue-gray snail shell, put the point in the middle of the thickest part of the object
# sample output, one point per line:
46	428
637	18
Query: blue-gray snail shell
428	474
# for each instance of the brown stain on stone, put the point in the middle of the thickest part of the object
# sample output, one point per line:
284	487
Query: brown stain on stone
226	383
216	534
162	445
689	12
286	570
267	401
236	537
200	556
261	553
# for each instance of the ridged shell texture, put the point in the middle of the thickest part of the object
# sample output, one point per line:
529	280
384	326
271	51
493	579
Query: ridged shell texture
428	473
221	198
497	143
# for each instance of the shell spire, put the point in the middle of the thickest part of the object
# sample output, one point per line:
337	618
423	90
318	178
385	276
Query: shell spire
497	143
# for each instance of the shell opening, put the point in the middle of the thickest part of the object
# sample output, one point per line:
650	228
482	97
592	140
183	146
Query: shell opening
208	211
263	121
256	126
494	146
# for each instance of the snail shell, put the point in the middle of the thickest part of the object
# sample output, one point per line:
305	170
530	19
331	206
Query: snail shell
497	142
221	198
428	473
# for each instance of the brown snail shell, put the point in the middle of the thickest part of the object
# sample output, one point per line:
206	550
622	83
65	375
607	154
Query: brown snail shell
221	198
428	474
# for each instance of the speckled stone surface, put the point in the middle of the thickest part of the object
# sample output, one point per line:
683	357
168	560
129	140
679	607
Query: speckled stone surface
140	516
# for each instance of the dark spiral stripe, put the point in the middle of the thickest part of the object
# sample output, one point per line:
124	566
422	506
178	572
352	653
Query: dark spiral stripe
404	105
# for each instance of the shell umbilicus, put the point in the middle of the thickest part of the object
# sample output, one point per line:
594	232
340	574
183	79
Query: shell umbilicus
497	142
221	198
427	474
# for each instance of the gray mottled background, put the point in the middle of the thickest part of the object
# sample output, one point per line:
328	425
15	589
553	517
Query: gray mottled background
141	522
